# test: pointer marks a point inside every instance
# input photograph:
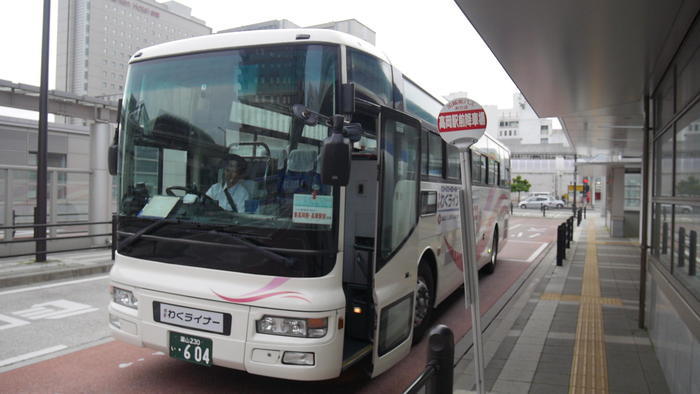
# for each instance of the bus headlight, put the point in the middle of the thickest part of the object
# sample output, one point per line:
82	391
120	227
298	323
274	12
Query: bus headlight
293	327
124	297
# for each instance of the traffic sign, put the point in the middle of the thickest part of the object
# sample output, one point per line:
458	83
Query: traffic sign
461	122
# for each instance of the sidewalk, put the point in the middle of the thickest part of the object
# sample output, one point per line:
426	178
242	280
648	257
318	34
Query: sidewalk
573	329
17	271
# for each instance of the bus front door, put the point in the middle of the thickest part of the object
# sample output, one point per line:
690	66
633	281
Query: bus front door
395	265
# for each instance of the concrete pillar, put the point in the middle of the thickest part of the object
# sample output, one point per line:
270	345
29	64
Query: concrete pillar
617	201
100	182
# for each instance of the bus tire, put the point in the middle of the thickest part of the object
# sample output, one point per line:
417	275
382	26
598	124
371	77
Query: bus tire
425	299
491	266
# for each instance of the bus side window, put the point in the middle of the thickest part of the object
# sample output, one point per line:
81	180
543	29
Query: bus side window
372	77
435	155
424	154
453	162
476	167
493	172
484	169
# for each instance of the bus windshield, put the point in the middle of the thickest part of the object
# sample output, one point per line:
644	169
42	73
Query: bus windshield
209	145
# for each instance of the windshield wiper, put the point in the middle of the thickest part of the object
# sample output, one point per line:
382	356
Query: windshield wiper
269	254
150	228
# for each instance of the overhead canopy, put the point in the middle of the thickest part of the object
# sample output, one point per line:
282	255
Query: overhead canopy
590	63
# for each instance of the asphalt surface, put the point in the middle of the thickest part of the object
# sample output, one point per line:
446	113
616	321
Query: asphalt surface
90	362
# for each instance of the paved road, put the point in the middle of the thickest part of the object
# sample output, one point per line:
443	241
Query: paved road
117	367
43	319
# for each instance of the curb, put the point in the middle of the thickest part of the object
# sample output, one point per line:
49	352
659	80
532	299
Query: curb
54	274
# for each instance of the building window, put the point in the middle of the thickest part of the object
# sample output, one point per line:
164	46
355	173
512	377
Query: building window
676	176
544	140
633	191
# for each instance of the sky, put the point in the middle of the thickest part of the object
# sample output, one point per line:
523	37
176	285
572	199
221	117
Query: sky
431	42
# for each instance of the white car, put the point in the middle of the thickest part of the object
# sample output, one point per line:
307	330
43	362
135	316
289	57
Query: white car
541	201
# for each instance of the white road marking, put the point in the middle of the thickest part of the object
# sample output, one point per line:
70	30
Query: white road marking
72	282
12	322
520	234
514	226
535	235
57	309
27	356
536	253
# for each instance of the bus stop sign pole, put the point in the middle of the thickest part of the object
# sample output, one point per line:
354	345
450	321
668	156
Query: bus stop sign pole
461	123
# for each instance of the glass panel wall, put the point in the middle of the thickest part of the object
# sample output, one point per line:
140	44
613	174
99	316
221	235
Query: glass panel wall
676	199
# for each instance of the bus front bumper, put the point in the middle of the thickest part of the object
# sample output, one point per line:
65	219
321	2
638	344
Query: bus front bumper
243	348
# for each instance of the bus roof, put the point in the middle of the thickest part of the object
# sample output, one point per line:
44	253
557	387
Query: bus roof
232	40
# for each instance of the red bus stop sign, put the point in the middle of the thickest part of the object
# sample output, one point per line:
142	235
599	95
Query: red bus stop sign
461	122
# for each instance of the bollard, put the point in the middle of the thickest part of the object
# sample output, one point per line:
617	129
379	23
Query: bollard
568	228
560	245
584	211
664	239
681	246
114	236
544	209
441	355
511	207
578	217
692	251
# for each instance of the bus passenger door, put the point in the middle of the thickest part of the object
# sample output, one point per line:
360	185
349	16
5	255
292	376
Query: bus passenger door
395	263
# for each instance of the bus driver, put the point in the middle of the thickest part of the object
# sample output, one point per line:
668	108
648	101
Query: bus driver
233	195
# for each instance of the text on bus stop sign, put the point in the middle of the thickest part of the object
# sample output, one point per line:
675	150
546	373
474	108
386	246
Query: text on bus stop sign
462	121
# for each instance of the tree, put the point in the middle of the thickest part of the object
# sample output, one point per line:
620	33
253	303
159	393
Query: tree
520	184
688	187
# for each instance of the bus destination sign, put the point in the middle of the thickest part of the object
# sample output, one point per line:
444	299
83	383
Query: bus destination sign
461	122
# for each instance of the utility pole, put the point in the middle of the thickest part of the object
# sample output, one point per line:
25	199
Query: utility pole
42	151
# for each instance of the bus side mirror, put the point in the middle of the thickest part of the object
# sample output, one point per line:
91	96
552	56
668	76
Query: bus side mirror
347	91
113	150
336	155
112	158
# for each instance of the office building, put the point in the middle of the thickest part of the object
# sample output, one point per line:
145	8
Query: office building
96	38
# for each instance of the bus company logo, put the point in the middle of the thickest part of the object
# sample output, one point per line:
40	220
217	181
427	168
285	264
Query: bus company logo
448	198
264	292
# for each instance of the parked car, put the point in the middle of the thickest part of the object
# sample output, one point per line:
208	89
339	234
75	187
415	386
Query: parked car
540	201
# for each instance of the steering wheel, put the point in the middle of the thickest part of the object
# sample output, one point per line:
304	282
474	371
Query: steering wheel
169	190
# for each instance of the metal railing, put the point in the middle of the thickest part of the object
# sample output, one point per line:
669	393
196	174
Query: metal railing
57	238
438	375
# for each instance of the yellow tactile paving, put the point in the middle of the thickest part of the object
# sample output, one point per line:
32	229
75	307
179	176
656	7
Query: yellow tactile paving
580	298
618	243
589	369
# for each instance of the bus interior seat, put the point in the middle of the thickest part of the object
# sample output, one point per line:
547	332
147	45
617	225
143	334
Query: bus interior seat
300	176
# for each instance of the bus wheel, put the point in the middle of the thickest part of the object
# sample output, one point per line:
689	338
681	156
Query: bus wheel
425	298
491	266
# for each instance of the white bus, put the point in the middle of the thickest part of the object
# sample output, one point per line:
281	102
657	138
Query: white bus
233	252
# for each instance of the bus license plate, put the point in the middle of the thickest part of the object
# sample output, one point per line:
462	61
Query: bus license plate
190	348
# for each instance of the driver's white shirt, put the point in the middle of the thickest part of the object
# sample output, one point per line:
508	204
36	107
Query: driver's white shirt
238	193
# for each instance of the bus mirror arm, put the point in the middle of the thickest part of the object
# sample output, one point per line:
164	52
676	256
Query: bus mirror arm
309	117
